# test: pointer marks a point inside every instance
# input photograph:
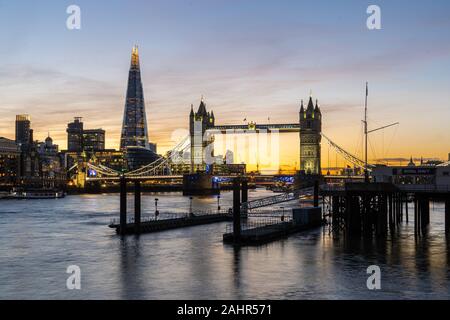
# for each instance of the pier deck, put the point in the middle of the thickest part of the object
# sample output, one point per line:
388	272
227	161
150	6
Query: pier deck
168	224
267	234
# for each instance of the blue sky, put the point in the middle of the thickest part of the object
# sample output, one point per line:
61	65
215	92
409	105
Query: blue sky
251	59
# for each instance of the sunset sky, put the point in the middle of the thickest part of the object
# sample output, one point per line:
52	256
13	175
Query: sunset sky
251	59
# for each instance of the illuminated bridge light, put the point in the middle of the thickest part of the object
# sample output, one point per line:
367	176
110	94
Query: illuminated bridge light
92	173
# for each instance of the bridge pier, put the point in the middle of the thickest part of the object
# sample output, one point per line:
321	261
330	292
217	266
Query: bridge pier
123	205
137	207
237	210
199	184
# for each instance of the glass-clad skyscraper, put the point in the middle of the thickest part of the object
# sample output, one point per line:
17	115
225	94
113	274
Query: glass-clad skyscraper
134	141
134	128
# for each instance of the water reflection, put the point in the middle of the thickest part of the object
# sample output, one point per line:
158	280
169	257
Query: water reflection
37	244
130	271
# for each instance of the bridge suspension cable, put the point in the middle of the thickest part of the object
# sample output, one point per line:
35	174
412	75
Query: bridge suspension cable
347	155
162	165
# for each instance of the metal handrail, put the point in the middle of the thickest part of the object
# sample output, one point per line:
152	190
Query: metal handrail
259	223
171	215
423	187
283	197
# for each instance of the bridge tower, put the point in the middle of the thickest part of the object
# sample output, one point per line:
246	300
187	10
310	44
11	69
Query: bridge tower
202	143
310	138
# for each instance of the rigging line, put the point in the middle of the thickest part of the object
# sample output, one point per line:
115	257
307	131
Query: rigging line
373	150
328	157
392	139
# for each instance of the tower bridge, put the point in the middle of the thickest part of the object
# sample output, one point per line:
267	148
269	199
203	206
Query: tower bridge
202	127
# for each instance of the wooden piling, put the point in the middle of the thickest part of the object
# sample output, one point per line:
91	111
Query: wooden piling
137	206
406	209
367	216
447	216
353	220
401	207
391	213
335	203
423	214
123	204
236	210
419	216
384	215
416	217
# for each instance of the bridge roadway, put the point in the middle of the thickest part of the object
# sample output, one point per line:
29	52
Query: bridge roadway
281	128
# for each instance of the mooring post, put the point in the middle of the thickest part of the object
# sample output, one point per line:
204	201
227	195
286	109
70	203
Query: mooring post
137	206
237	210
316	193
123	204
244	193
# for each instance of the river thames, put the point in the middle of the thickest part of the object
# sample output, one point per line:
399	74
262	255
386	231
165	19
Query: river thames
39	239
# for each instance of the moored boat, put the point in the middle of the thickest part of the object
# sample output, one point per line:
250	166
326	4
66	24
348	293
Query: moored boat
37	194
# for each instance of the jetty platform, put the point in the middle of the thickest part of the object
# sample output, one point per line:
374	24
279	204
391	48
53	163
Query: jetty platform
152	225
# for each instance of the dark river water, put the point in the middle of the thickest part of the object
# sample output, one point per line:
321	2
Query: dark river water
39	239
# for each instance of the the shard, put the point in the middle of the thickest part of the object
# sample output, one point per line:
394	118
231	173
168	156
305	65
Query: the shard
134	128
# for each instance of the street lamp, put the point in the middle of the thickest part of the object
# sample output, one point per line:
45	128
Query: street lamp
190	206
